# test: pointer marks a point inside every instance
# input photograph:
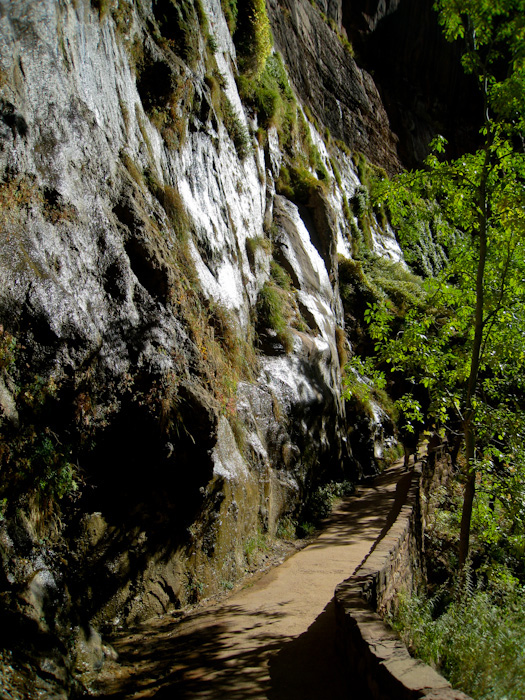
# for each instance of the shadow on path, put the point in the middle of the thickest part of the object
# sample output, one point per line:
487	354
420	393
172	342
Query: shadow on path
310	667
358	516
203	661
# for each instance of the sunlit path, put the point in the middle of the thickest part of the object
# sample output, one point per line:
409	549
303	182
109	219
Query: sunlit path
274	639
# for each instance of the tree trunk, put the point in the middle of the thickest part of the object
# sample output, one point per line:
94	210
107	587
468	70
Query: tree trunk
469	419
468	497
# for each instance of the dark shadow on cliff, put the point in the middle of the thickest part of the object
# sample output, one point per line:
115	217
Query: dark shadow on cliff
145	484
418	73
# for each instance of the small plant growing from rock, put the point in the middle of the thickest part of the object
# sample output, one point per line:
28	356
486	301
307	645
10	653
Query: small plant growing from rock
272	313
236	130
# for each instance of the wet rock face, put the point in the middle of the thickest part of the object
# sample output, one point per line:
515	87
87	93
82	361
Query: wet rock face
151	431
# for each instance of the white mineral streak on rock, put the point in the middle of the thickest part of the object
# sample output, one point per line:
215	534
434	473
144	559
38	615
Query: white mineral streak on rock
384	241
218	27
315	292
300	250
274	151
385	244
282	373
227	460
226	201
349	184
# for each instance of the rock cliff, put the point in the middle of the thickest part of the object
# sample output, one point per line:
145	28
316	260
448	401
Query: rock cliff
417	72
172	334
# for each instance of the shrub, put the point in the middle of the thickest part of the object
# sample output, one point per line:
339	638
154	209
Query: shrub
320	503
229	7
306	529
378	279
236	130
346	45
254	546
272	313
122	15
287	528
364	385
271	97
394	281
254	244
174	207
360	201
476	642
180	23
55	474
212	43
297	184
337	175
354	285
280	276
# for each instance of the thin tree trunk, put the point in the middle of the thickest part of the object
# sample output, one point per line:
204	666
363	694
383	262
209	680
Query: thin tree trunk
469	422
468	498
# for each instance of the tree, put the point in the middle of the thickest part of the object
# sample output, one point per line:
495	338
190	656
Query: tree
467	345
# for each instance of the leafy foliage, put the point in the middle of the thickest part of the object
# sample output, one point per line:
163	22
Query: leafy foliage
477	642
465	344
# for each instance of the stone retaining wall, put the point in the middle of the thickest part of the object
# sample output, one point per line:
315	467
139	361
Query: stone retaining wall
379	663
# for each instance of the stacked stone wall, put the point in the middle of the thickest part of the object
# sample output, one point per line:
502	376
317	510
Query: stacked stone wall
379	663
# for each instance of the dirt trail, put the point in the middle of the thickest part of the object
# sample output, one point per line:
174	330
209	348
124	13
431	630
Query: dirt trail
274	639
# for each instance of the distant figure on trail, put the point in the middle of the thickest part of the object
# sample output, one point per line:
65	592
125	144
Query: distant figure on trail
435	448
410	440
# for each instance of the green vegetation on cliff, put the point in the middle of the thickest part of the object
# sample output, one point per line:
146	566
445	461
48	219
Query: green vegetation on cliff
253	36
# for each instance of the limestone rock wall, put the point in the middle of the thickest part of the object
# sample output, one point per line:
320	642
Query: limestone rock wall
343	96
